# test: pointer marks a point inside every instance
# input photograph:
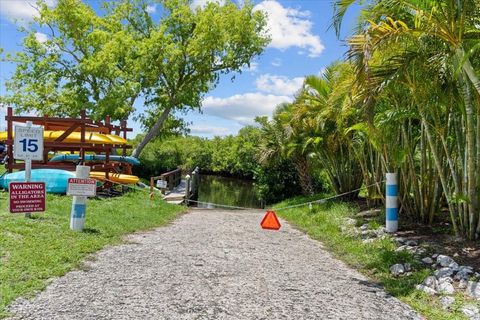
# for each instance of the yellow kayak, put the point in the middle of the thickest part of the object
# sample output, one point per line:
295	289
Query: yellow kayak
116	139
115	177
90	137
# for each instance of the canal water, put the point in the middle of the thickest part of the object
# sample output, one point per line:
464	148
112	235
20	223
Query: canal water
227	191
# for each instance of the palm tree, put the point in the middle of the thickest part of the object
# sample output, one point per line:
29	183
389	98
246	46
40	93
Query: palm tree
322	113
429	48
282	140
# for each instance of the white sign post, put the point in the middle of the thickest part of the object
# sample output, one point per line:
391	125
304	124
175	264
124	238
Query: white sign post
80	193
28	146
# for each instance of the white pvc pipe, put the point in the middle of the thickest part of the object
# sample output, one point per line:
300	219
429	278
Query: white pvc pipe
79	203
391	203
28	170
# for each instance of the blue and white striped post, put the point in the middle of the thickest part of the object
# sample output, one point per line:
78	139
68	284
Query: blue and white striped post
391	202
79	203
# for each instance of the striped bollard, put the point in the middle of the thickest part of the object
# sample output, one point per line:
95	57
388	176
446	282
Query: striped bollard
391	203
79	203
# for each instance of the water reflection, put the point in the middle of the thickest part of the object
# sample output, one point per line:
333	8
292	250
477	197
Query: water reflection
227	191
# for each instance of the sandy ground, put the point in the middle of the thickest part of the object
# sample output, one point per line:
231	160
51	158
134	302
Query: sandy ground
213	264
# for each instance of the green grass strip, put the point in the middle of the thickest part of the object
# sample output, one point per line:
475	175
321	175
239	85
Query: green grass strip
34	250
324	223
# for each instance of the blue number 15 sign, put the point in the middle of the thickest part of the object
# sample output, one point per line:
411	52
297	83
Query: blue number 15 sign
28	143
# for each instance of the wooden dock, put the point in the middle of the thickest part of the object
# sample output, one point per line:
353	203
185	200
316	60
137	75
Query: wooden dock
175	189
177	195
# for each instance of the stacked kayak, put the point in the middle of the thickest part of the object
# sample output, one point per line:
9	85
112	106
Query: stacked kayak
115	177
55	180
75	137
93	157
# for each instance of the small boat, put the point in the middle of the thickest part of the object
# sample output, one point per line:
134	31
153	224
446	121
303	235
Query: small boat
93	157
115	177
116	139
56	180
75	137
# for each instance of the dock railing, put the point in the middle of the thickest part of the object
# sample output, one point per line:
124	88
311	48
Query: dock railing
193	183
170	179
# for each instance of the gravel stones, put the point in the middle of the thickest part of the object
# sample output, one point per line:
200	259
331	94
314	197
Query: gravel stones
431	282
471	311
473	289
426	289
462	284
411	243
214	264
444	261
464	272
443	272
445	286
427	260
446	302
397	269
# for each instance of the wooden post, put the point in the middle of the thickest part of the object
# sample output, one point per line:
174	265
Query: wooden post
10	140
151	187
123	125
82	137
187	189
107	151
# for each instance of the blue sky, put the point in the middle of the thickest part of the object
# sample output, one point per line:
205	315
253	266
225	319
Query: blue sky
302	44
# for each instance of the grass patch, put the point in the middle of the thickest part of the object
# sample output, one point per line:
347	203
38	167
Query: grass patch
374	259
34	250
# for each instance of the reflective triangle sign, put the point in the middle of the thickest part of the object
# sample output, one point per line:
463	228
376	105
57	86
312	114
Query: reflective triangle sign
270	221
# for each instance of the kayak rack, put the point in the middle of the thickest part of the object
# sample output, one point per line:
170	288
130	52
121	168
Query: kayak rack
84	125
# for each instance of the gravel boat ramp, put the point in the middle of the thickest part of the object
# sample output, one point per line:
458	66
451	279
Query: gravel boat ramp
214	264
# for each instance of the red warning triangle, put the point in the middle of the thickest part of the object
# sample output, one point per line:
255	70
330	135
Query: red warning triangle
270	221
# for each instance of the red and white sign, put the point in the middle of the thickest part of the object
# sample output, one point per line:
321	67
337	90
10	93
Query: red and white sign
82	187
27	197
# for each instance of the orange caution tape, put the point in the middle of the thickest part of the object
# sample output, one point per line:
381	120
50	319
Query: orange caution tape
270	221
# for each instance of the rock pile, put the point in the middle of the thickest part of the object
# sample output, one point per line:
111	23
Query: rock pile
409	246
448	277
367	235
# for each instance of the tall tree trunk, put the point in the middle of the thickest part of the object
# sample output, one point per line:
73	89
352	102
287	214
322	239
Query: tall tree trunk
302	167
471	164
468	68
478	168
151	133
443	180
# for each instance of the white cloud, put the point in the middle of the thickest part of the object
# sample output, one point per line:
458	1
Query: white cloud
243	108
41	37
289	27
278	84
206	130
151	8
277	62
21	9
202	3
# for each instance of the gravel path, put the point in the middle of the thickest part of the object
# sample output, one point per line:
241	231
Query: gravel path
214	265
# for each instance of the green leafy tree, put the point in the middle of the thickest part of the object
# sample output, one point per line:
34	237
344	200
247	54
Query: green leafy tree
322	118
104	63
